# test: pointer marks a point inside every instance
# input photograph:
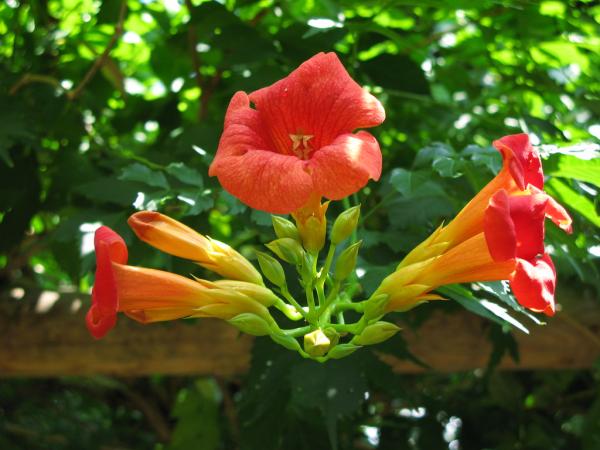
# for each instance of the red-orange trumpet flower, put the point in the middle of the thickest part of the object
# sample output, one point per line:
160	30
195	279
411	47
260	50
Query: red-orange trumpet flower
498	235
299	140
149	295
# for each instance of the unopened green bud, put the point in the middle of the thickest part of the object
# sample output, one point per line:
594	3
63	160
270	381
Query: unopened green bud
316	343
285	228
342	350
332	335
344	225
376	333
286	341
287	249
346	262
271	268
375	306
251	324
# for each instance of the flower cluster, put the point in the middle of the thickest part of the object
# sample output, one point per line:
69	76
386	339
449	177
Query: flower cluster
283	149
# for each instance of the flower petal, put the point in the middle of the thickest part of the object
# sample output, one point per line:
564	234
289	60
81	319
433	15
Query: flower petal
319	98
250	171
522	159
556	212
102	315
528	213
534	283
345	166
499	229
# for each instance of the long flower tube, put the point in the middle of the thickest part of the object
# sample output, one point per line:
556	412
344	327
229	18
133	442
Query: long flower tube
149	295
498	235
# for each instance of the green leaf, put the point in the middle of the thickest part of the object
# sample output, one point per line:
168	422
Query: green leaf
185	174
483	308
573	200
197	413
139	172
566	166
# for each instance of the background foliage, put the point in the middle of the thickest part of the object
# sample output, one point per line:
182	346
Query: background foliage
110	106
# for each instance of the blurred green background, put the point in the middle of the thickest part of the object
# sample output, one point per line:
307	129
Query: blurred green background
107	107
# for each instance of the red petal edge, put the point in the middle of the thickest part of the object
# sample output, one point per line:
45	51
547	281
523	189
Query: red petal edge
522	159
102	314
499	230
534	283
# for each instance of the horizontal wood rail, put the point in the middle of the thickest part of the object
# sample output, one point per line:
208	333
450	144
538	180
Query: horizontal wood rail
40	338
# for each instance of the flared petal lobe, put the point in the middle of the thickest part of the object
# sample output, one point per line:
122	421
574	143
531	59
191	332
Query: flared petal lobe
319	98
346	165
278	155
534	283
523	160
102	314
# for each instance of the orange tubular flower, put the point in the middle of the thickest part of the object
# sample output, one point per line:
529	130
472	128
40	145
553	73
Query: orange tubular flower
499	235
149	295
298	141
177	239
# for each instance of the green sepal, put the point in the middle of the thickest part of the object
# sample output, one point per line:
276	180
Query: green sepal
346	262
286	341
251	324
285	228
271	268
376	333
342	350
287	249
344	225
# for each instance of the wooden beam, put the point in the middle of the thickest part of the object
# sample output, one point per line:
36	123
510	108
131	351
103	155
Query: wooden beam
39	343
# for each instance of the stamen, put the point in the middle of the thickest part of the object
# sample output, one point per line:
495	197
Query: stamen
300	145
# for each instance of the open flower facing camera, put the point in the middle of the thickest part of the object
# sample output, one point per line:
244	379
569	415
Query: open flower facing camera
291	148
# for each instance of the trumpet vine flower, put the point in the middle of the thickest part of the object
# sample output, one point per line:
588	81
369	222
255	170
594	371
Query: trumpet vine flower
299	140
149	295
499	235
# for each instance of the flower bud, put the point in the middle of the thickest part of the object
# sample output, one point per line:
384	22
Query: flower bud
271	268
312	224
346	262
287	249
332	335
344	225
376	333
285	228
261	294
316	343
342	350
286	341
251	324
375	306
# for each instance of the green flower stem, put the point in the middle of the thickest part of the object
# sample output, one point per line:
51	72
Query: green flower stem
323	313
285	309
310	298
297	332
354	306
340	318
293	302
326	266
